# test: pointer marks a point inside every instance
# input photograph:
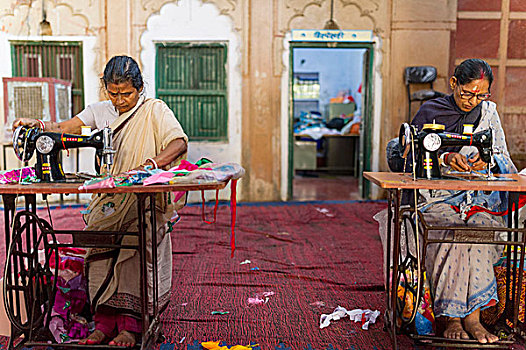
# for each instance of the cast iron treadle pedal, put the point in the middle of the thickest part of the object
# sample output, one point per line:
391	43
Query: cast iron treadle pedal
459	343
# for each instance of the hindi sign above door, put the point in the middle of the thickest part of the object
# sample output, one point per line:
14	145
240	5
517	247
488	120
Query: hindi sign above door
332	35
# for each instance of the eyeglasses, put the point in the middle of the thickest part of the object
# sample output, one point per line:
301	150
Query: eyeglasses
466	95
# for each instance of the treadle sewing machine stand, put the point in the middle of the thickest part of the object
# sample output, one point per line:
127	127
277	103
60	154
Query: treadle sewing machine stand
395	183
33	289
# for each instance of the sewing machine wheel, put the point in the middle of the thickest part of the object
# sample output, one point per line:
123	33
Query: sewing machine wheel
29	280
409	290
20	137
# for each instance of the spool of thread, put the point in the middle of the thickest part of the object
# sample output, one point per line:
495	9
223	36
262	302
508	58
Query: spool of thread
468	129
86	130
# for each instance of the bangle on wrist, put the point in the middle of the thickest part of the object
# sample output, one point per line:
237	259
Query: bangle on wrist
446	158
443	158
154	163
42	125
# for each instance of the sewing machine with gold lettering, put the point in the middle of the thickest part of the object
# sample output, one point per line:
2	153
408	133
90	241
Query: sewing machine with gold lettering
48	146
428	141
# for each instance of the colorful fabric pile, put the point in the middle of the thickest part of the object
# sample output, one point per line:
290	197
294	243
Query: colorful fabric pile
216	345
424	317
22	175
66	323
203	171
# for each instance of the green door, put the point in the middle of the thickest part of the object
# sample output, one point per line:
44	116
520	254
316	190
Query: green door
191	79
365	144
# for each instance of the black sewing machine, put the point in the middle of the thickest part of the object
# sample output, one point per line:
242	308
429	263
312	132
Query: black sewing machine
48	146
432	137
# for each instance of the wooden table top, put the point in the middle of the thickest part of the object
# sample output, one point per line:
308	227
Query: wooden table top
73	187
390	180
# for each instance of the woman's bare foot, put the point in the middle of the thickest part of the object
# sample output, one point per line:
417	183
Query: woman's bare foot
124	338
454	329
474	327
97	337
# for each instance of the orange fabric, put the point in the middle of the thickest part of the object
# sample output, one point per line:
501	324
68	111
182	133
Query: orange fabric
214	345
492	314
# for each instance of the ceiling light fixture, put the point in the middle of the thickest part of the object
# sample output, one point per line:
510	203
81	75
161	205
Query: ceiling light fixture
331	24
45	26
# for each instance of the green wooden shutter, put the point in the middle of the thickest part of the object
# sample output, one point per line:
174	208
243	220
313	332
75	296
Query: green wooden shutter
191	79
51	59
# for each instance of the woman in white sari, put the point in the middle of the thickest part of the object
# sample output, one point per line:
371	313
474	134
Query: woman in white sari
147	133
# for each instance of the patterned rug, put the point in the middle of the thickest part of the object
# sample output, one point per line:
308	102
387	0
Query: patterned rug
293	262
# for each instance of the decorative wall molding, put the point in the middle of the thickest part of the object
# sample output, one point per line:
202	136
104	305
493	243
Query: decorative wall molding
298	11
23	18
226	7
349	14
153	6
230	8
367	8
75	15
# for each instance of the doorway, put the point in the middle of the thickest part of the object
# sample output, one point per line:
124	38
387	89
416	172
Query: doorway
330	113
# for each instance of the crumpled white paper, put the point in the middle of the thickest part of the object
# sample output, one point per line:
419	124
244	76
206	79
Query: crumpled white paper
355	315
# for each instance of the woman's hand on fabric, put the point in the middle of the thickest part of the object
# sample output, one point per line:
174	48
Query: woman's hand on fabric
30	123
477	163
142	167
139	168
458	162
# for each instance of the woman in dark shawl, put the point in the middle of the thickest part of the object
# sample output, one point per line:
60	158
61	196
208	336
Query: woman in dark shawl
462	278
462	274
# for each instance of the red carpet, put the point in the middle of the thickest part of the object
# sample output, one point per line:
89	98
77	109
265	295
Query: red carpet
313	257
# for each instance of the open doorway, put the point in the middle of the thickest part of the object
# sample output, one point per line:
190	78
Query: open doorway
329	104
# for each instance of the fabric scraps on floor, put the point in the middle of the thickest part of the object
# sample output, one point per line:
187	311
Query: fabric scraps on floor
335	260
365	317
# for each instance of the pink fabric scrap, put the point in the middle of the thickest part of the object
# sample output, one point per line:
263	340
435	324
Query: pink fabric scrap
163	177
166	176
105	183
185	165
13	176
178	195
259	299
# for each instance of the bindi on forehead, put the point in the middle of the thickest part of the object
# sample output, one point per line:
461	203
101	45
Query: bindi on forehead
475	88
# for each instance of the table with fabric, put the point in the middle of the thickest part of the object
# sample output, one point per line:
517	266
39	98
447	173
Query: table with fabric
395	183
146	199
